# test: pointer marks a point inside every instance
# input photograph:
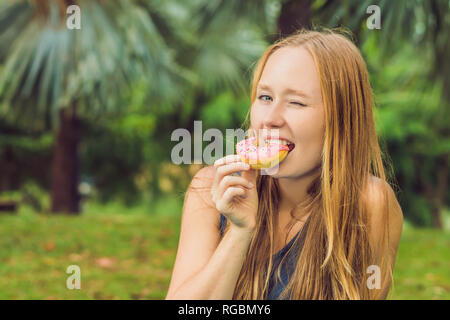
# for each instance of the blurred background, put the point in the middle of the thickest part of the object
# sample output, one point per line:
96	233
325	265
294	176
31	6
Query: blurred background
86	117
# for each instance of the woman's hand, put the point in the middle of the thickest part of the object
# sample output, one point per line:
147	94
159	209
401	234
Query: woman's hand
235	197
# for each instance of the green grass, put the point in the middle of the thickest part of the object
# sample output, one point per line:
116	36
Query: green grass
121	256
422	269
130	256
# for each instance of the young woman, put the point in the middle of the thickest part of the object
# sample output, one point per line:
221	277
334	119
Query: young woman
327	224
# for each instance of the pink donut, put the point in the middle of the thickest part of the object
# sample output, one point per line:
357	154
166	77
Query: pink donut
261	156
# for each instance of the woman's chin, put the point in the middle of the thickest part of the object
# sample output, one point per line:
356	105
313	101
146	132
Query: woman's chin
275	171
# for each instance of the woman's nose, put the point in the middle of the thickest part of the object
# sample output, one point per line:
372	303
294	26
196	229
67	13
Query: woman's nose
274	118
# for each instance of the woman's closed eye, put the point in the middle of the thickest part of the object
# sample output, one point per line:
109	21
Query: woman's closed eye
298	103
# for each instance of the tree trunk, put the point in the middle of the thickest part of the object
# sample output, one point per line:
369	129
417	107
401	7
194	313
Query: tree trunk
65	166
7	169
295	14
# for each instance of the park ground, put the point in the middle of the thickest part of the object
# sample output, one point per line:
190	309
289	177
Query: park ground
131	256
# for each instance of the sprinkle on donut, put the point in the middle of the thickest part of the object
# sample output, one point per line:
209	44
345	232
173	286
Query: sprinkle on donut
263	156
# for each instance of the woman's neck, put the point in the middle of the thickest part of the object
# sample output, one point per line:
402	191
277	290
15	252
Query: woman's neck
293	191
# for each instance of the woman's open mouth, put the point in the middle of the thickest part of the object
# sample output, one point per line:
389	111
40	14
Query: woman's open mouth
285	142
291	146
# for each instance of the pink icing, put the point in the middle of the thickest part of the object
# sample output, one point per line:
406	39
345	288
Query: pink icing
250	150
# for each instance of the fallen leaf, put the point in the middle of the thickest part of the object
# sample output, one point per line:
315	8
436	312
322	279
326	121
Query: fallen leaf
105	262
49	246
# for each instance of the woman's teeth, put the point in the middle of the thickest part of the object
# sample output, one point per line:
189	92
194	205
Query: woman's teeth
278	141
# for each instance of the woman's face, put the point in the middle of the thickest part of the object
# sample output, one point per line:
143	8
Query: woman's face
289	98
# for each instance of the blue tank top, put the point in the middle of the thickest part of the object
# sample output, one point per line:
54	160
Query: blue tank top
286	269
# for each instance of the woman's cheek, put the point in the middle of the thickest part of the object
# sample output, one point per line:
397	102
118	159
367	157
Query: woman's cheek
256	116
308	146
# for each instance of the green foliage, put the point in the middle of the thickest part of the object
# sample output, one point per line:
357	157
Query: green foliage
27	143
24	157
35	196
7	196
47	66
30	195
410	119
131	69
113	152
140	69
225	111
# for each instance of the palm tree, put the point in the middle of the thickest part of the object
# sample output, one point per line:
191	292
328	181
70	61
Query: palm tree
52	75
274	18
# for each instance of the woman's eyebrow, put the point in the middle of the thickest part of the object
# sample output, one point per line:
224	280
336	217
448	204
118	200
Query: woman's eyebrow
297	92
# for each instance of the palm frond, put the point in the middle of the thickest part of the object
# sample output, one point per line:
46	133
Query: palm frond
47	66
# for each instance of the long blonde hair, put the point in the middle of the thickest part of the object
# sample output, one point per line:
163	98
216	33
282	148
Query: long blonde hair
333	261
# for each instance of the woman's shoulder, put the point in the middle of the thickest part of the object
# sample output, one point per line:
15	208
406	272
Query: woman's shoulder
381	205
377	193
204	177
200	186
203	181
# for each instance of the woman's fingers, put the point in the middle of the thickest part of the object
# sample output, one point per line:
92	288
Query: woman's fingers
230	193
229	181
250	176
226	185
229	190
227	160
228	169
